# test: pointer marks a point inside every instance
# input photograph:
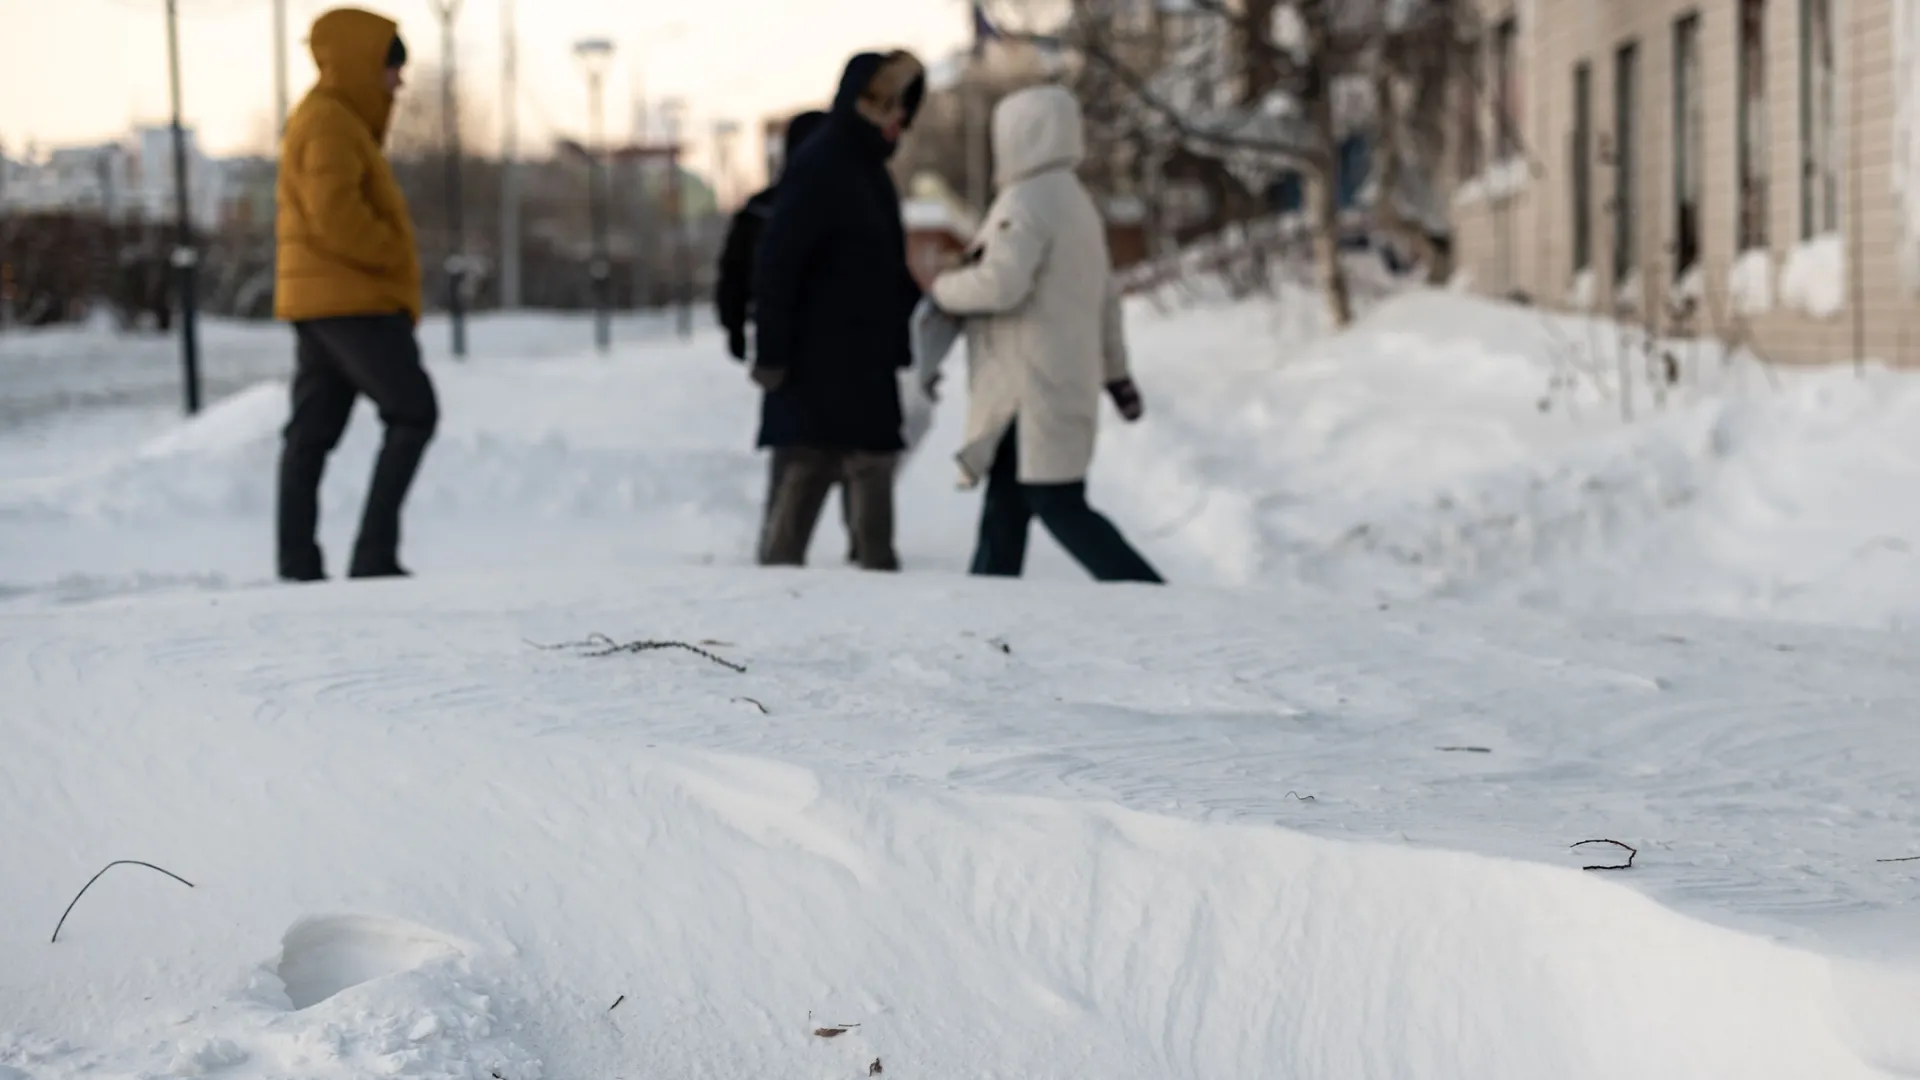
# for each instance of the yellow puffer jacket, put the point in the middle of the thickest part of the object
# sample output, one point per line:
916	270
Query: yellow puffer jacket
346	241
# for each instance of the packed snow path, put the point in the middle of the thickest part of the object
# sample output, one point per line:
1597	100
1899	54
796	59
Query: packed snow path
1008	829
1409	458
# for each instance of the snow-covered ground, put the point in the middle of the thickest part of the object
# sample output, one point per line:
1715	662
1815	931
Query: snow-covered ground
1455	448
1308	813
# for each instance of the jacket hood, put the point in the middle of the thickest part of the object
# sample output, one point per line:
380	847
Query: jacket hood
873	78
1037	130
800	129
350	48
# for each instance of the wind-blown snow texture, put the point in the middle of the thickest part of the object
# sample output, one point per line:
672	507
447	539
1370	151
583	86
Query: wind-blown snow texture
1307	815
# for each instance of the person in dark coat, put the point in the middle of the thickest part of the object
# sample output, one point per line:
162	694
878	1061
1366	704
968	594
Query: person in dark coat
734	295
833	297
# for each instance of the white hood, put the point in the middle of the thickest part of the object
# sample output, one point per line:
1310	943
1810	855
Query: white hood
1034	131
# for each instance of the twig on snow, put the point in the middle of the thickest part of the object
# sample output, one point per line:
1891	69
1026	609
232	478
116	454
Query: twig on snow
875	1069
1910	858
1632	853
96	877
600	645
616	1002
1463	749
1302	798
755	703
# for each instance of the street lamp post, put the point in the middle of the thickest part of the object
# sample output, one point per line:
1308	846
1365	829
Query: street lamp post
724	132
676	110
280	90
456	265
185	259
596	56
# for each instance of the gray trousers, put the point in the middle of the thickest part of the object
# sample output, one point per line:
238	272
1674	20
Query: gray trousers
800	480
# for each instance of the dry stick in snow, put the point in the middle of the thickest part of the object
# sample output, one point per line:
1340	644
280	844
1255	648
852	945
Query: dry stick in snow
96	877
1910	858
1632	853
603	646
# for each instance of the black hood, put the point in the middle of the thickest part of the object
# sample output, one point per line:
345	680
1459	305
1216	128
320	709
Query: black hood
864	68
800	129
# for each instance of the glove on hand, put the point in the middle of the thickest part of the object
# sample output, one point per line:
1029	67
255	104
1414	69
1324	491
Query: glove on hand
1126	398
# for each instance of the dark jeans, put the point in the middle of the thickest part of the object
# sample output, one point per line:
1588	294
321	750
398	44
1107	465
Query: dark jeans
337	361
805	476
1087	535
775	461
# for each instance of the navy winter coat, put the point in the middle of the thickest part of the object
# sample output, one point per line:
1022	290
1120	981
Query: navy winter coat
832	292
734	295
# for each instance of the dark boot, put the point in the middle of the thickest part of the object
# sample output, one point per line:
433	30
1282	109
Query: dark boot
1001	548
377	554
846	519
868	490
322	404
1087	534
379	357
806	477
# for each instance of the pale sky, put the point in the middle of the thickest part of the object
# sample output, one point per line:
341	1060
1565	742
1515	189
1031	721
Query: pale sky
77	71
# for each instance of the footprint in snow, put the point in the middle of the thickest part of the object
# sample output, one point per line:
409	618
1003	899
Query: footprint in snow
322	957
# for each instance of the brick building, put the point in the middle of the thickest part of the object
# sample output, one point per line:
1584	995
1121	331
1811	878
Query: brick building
1742	168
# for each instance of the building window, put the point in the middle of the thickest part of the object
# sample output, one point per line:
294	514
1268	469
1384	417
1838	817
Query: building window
1582	171
1754	142
1506	89
1689	147
1819	159
1626	75
1469	151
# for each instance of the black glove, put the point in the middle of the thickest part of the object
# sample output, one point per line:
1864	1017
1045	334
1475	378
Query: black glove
737	343
1126	398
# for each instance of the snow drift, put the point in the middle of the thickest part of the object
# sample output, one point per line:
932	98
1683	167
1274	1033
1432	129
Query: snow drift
424	848
1460	448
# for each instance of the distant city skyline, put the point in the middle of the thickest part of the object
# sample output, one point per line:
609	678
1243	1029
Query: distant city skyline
77	72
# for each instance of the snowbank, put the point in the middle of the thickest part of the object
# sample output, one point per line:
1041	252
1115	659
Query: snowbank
1500	180
1750	283
1689	291
1463	448
987	830
1584	293
1814	279
1629	294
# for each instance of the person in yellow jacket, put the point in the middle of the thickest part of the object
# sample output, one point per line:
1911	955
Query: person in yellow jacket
348	279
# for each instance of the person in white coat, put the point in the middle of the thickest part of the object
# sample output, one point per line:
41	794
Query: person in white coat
1044	337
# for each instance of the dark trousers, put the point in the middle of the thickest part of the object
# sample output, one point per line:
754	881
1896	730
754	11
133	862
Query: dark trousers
337	361
775	461
1088	536
803	478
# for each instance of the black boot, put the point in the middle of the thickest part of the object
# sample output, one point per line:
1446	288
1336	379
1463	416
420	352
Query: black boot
377	553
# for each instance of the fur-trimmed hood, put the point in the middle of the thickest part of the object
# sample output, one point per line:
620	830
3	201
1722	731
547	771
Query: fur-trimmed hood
873	82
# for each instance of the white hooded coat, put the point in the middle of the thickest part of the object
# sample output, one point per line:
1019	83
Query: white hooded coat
1044	334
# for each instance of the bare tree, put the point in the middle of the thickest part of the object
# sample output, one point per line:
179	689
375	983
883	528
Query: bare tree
1229	96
